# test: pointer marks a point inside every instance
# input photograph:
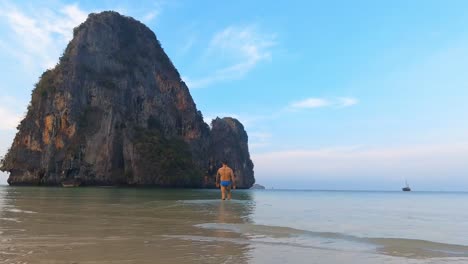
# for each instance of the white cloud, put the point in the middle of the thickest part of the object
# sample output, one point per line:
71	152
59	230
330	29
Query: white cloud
185	47
63	22
262	136
39	34
417	161
150	15
347	101
10	120
155	10
310	103
238	50
259	139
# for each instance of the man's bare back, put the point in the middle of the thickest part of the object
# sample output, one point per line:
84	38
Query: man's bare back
225	180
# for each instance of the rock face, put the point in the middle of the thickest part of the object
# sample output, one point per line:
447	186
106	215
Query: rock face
229	141
114	111
257	187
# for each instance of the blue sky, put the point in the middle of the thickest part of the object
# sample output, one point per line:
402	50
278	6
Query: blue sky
333	94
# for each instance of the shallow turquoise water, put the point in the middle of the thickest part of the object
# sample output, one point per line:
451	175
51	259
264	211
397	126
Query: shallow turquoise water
123	225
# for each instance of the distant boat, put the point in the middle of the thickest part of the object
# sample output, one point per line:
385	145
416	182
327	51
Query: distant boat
406	188
72	183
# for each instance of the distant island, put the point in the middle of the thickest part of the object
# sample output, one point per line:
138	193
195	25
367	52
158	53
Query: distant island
115	111
257	187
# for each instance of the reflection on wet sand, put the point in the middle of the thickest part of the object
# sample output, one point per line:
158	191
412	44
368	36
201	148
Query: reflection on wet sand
231	212
95	225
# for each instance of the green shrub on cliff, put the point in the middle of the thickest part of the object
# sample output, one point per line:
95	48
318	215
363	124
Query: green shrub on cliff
168	160
46	84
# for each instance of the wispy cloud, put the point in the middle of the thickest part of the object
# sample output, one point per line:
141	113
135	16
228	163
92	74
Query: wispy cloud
239	50
347	101
37	37
154	11
10	118
185	47
310	103
422	161
63	21
40	34
188	37
259	139
150	15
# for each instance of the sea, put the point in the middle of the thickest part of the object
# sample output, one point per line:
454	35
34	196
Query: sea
137	225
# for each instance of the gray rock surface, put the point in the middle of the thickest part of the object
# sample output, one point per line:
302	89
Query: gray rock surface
257	187
229	142
114	111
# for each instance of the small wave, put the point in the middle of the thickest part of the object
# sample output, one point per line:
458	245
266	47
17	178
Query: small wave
210	201
402	247
244	241
213	201
209	239
9	253
418	248
251	229
10	219
20	211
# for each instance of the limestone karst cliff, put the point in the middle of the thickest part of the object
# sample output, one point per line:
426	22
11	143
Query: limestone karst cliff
228	140
114	111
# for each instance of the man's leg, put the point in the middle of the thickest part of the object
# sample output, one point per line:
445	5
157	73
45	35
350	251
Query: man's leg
229	192
223	192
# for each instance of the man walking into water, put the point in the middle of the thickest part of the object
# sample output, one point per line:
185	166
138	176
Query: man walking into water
225	179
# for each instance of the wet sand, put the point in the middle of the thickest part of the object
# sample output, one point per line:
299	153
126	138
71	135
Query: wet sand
101	225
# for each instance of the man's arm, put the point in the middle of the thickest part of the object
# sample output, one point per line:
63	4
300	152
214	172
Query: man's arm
217	178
